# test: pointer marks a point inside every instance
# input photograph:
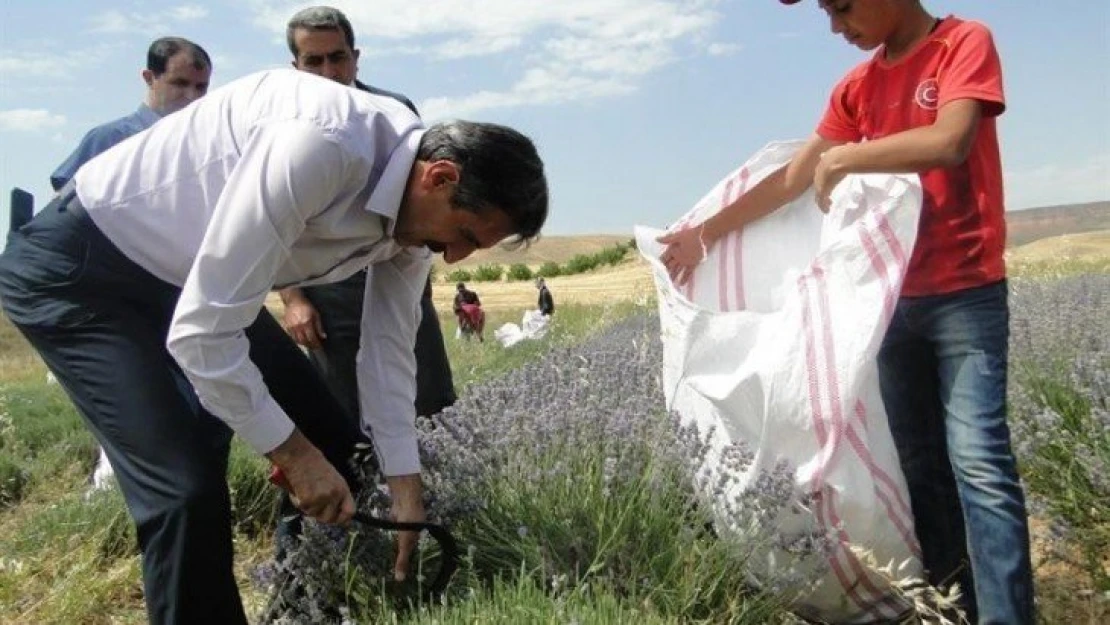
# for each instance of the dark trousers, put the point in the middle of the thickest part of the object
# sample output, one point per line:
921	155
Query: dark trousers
340	309
100	323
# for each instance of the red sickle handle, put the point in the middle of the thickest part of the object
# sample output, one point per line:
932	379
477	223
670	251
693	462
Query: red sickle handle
442	535
278	478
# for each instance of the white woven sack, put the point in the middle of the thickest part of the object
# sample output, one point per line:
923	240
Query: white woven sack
774	343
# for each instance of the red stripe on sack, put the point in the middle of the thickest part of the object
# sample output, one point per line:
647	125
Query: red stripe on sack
722	254
839	428
898	510
891	239
738	243
817	414
880	268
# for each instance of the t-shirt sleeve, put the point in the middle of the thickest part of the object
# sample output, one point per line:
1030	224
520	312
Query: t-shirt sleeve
840	121
972	70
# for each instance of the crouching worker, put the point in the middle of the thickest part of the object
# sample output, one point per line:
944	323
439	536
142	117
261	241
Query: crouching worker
138	280
469	313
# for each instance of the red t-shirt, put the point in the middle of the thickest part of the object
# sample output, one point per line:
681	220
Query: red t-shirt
962	233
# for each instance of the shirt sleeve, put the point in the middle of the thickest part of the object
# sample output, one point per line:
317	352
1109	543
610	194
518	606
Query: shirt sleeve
840	122
287	172
94	142
386	361
972	70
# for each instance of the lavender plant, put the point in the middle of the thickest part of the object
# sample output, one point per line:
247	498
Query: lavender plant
1060	412
567	471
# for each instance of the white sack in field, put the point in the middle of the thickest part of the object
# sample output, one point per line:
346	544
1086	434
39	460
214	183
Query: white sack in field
774	343
533	325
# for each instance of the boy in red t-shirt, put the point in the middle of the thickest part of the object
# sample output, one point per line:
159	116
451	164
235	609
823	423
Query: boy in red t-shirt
926	103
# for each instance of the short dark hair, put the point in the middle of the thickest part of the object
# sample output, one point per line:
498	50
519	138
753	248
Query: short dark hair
162	50
499	169
319	18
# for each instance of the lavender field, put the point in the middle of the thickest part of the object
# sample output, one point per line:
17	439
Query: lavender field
568	486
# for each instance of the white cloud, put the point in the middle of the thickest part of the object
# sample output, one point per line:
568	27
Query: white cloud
134	22
23	64
723	49
1083	181
29	120
561	51
188	12
462	48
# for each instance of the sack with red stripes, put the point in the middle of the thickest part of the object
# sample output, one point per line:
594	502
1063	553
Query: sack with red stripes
772	346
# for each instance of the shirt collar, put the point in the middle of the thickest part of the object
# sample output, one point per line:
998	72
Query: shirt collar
147	115
385	199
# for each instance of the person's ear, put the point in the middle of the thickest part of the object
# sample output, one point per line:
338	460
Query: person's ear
148	77
443	173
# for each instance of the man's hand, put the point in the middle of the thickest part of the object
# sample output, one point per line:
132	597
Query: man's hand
407	494
316	488
685	250
301	320
831	170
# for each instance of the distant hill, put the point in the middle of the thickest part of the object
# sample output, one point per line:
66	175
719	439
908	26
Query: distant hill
557	249
1026	226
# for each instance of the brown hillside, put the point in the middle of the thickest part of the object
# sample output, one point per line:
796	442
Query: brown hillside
557	249
1026	226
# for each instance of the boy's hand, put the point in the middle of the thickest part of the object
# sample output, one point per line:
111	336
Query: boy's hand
685	250
830	172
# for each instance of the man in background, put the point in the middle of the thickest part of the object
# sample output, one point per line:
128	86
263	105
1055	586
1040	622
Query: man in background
545	302
325	318
177	72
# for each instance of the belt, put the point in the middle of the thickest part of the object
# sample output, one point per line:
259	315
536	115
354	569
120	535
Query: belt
68	201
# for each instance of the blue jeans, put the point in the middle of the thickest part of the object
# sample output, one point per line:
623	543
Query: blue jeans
942	368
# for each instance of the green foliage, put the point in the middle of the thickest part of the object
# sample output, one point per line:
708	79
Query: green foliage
459	275
1071	444
580	263
519	272
488	273
549	269
41	440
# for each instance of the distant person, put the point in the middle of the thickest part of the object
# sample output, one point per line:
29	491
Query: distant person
546	303
469	313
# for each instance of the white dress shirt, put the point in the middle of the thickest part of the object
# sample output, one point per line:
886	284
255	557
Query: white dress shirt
277	179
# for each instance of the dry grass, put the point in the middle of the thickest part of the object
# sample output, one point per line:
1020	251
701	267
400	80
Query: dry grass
631	280
1087	246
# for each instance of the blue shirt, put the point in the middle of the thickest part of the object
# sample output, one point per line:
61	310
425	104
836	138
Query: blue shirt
100	139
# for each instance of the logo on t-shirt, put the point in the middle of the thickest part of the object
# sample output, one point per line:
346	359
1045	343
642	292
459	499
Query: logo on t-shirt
927	94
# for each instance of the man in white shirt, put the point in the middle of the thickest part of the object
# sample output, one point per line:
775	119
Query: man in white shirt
165	251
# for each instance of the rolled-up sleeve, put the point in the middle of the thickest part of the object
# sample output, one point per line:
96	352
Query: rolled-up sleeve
386	361
287	172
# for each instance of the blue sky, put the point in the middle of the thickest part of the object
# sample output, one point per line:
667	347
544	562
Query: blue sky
637	106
